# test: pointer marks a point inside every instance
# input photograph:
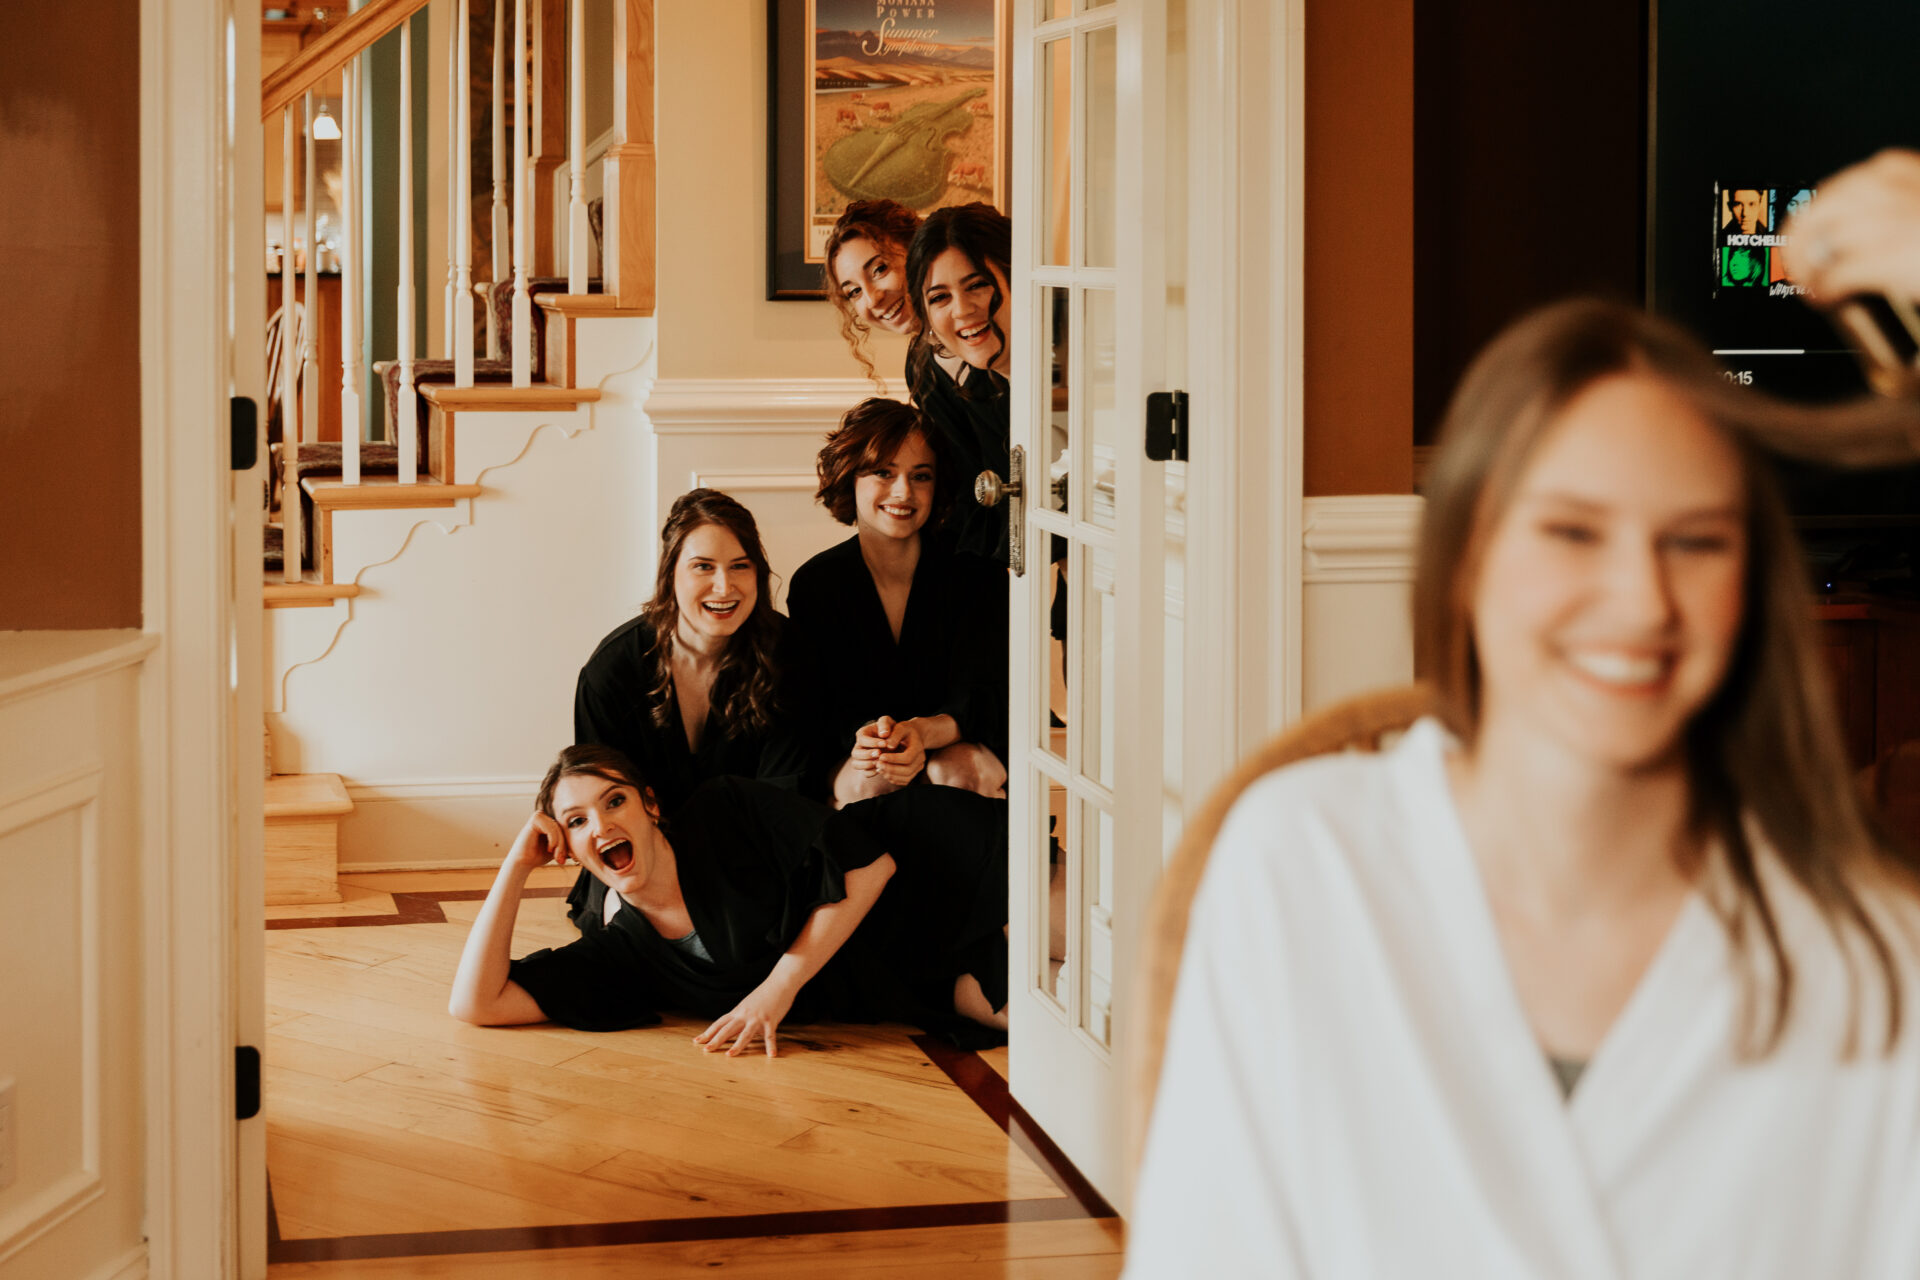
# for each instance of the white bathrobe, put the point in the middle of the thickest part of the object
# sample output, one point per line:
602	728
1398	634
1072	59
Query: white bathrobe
1352	1091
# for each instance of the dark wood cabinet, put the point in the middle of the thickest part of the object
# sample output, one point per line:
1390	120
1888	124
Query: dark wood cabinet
1872	646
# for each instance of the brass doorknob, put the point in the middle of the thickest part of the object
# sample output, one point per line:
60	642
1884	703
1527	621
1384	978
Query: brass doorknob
989	488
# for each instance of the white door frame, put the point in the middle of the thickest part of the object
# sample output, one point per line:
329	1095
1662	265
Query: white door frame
188	749
1246	300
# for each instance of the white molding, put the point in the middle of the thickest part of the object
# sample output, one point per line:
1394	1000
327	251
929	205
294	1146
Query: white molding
689	405
755	481
1365	538
76	790
405	789
189	828
41	661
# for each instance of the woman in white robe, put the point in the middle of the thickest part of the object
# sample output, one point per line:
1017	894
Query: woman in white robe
1603	973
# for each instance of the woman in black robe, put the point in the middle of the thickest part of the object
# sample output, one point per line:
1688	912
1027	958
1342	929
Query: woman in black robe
902	641
957	269
750	907
706	652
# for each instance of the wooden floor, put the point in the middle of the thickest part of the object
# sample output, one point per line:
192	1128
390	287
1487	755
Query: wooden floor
404	1143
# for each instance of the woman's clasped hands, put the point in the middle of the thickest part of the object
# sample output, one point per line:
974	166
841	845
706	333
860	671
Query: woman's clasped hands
893	752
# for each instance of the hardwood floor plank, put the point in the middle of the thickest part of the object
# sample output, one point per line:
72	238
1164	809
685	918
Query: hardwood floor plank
341	1194
331	1151
318	1059
1077	1250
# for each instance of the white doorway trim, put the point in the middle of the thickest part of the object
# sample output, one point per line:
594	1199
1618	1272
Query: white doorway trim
186	739
1247	142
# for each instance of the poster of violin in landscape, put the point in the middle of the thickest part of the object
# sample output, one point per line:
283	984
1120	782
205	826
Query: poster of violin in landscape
898	100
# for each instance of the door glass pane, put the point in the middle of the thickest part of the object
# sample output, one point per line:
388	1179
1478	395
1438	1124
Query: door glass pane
1052	970
1096	669
1096	929
1051	486
1102	422
1060	9
1050	729
1102	157
1056	133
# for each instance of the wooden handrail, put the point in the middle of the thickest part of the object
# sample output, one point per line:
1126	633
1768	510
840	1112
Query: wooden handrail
319	60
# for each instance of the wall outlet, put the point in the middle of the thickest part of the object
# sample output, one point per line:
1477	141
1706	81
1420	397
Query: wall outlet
8	1164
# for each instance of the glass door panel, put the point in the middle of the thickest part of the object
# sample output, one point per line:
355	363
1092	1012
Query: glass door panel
1056	62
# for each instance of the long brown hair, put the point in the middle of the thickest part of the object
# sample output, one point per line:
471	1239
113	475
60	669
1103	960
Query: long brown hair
746	685
888	224
1767	746
984	236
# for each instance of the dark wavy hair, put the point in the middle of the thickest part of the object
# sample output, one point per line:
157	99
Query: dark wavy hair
886	223
985	236
745	688
1766	748
594	761
868	437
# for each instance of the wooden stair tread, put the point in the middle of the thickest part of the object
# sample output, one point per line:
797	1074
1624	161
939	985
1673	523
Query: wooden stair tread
383	493
306	795
309	592
495	398
586	304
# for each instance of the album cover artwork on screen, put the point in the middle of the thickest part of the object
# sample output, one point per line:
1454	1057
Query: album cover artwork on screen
1747	240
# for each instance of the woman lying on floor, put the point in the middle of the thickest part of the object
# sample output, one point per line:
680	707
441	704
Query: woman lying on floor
754	907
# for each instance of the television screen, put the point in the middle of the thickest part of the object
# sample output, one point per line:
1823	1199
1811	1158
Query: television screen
1754	103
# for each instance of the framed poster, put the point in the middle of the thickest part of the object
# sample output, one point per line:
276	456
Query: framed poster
877	99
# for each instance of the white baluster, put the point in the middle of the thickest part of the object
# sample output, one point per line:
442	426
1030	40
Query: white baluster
522	119
350	368
406	428
310	331
578	232
453	118
463	224
289	408
499	167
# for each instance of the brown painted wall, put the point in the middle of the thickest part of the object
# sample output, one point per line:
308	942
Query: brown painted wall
70	327
1360	219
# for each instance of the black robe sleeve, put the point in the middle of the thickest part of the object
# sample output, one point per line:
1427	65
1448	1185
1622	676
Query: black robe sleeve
584	986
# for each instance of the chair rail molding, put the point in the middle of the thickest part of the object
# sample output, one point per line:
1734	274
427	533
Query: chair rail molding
689	405
1364	538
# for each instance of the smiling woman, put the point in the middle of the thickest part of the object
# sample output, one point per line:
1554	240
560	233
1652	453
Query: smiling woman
902	640
1604	971
752	906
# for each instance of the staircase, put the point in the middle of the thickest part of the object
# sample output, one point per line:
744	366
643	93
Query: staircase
387	646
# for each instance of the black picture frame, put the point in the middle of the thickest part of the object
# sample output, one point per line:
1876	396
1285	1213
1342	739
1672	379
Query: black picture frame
790	277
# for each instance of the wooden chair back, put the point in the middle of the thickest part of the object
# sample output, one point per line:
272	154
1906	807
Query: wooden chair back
1358	724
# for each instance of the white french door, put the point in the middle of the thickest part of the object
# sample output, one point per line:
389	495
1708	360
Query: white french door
1090	753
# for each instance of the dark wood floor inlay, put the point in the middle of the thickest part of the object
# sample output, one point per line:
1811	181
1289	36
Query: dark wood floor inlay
421	906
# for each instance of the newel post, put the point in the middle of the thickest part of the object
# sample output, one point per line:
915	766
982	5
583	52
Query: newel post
629	212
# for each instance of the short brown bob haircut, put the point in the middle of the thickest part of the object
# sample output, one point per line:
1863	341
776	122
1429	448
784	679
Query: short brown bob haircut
866	440
1765	752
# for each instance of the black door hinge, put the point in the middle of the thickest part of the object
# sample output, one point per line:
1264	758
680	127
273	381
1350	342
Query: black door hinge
1167	436
243	419
246	1082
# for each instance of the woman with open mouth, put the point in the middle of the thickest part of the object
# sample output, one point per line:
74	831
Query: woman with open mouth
903	642
750	907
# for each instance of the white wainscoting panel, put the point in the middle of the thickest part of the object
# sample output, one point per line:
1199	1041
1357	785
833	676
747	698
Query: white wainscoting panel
757	439
69	944
1356	607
